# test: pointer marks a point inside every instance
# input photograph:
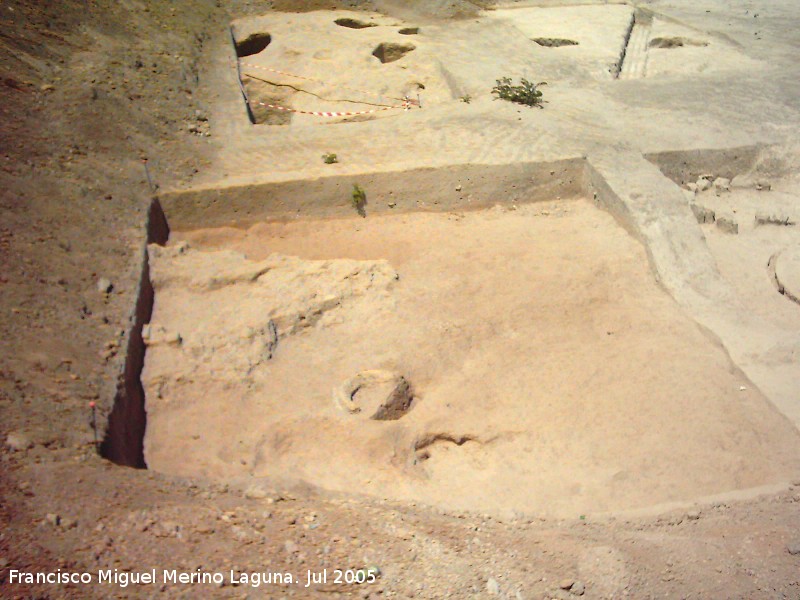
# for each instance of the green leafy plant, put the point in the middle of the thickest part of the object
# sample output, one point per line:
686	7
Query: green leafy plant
358	200
329	158
525	93
466	98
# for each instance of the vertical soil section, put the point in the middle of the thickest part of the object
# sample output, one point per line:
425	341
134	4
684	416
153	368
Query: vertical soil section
123	442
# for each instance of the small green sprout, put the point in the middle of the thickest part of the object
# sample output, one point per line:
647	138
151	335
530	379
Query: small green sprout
359	200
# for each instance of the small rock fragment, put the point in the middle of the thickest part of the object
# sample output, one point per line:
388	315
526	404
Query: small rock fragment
727	225
18	441
492	587
703	214
104	286
793	548
566	584
722	184
255	493
703	184
53	519
692	187
205	528
693	515
577	588
762	185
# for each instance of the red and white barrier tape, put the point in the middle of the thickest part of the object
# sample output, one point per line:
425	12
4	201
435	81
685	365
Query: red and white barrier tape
373	94
406	105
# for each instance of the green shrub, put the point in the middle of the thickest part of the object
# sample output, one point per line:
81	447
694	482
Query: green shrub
358	200
526	93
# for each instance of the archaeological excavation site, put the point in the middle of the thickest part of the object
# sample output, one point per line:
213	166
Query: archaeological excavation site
456	299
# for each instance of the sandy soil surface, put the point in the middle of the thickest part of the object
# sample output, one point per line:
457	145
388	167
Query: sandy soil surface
542	355
88	91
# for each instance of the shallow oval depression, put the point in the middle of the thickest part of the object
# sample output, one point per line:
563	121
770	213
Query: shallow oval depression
554	42
675	42
252	44
354	23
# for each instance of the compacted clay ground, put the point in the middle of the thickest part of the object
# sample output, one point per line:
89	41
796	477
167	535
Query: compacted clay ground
541	353
91	90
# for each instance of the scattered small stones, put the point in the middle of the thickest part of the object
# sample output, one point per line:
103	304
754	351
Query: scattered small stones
727	225
703	214
18	441
793	548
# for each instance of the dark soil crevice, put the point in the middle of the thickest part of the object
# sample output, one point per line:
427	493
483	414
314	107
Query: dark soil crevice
123	442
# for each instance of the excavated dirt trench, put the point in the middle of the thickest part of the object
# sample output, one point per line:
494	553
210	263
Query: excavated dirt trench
524	354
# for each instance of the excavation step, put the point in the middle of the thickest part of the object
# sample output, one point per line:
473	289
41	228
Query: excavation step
634	62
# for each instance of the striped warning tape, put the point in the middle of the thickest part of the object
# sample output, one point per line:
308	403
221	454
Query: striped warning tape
373	94
406	105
